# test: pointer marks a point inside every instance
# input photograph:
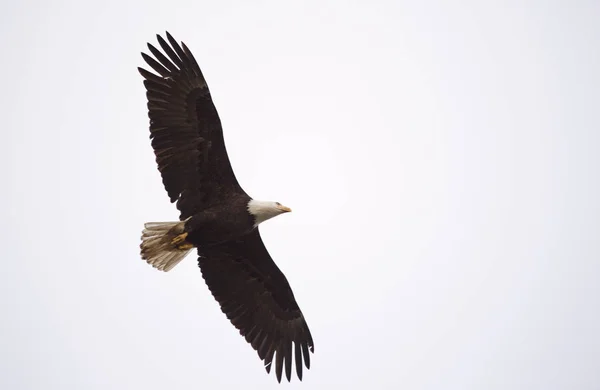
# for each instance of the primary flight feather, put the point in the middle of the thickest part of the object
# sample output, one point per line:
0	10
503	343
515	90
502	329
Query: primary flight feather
217	217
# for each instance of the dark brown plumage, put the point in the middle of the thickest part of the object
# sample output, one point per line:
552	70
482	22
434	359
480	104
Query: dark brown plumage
187	139
255	296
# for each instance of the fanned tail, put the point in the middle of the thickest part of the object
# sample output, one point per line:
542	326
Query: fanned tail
163	244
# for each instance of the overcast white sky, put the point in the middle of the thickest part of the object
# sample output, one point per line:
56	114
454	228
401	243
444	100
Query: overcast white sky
441	159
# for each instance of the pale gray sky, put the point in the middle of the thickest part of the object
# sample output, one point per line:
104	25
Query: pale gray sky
441	159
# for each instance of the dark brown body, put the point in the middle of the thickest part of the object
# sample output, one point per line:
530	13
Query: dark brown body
221	223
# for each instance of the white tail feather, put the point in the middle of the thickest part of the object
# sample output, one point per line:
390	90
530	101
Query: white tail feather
157	246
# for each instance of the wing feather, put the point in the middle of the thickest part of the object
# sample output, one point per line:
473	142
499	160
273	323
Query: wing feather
155	65
162	59
167	49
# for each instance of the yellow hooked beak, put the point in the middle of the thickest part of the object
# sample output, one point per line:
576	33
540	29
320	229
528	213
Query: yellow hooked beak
283	208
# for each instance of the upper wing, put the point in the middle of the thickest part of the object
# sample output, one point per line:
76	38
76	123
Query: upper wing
186	130
257	299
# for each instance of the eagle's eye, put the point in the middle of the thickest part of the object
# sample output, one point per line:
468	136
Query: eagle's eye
278	204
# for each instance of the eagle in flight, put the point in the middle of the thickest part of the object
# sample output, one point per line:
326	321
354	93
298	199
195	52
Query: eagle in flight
217	217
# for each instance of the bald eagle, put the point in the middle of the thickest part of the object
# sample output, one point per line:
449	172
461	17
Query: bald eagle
217	217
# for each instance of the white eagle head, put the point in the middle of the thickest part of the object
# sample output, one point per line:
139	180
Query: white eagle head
263	210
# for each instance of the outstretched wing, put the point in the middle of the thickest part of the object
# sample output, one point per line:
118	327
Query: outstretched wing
185	129
257	299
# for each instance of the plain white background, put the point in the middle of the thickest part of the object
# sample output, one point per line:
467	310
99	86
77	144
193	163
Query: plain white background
441	159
